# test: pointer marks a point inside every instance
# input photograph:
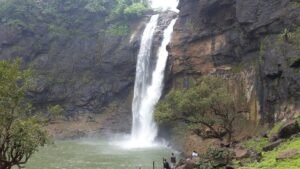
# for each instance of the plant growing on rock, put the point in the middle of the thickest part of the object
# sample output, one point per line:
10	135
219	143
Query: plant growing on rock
286	35
55	112
209	108
21	133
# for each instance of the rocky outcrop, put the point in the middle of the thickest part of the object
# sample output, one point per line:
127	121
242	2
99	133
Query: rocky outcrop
84	60
237	38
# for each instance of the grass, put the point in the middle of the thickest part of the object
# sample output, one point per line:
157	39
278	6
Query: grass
276	128
269	158
256	144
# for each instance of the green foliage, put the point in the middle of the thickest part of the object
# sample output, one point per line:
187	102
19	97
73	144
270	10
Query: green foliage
269	158
166	109
218	154
97	5
292	60
207	105
21	132
256	144
127	9
136	9
68	17
286	34
118	30
262	51
57	29
215	158
276	128
205	164
298	120
55	111
16	8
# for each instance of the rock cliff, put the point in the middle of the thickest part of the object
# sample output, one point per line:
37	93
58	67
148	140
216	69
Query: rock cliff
243	39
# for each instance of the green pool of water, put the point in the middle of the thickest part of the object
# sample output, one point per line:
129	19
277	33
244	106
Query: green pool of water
96	154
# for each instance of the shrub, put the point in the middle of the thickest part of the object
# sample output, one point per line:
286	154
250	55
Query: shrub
209	108
136	9
118	30
21	133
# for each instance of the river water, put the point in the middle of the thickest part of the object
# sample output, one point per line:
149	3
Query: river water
96	154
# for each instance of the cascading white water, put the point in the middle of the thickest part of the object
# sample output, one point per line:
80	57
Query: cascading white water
140	119
148	86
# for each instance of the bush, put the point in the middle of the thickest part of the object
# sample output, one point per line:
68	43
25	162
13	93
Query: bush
215	158
136	9
97	5
21	133
256	144
209	108
118	30
55	112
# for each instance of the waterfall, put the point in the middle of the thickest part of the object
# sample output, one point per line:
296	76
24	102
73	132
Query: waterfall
148	86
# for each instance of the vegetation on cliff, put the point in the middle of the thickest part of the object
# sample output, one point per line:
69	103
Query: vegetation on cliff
21	132
209	108
26	13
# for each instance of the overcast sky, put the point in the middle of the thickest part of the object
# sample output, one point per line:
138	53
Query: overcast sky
165	4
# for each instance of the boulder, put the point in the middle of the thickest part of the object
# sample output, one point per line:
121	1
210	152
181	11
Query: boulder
287	154
288	129
272	145
241	153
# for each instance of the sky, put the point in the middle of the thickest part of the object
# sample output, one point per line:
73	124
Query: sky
164	4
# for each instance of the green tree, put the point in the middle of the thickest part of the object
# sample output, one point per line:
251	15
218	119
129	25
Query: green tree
209	108
54	112
21	133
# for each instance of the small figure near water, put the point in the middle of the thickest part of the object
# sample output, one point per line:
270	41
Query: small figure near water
166	164
173	161
194	154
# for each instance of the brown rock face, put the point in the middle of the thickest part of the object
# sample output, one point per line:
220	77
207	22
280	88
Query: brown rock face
237	38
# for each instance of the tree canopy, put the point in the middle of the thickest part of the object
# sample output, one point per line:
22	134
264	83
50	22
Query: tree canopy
209	108
21	133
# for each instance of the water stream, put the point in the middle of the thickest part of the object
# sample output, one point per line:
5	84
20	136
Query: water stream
148	86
